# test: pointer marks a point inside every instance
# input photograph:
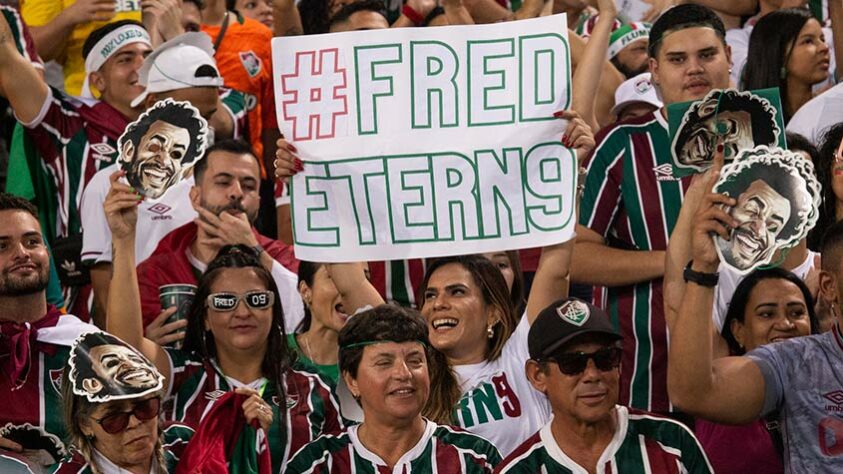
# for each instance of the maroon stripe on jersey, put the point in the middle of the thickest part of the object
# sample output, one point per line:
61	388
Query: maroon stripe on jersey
659	400
625	300
416	277
660	460
527	445
648	190
377	277
607	202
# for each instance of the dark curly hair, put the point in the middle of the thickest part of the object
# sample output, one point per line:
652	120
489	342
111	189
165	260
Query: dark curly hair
824	165
187	117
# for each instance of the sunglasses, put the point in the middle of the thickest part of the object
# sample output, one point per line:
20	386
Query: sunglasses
143	411
574	363
229	301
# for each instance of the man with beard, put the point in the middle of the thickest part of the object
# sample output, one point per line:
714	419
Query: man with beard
631	200
764	215
739	119
183	69
157	149
225	196
35	338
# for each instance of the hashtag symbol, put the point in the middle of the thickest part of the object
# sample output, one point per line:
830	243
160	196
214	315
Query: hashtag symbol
313	92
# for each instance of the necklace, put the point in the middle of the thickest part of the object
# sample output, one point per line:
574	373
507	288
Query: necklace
306	346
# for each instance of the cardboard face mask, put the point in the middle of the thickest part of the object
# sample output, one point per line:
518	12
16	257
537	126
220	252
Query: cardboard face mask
742	120
159	148
104	368
777	198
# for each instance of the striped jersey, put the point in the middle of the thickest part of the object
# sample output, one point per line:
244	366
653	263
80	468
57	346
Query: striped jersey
21	37
176	437
397	281
632	196
642	443
75	139
442	449
310	408
32	414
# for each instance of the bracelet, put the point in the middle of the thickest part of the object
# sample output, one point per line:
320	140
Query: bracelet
258	249
708	280
413	15
437	10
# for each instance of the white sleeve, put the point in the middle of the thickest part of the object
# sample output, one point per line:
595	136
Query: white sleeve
96	236
288	289
516	347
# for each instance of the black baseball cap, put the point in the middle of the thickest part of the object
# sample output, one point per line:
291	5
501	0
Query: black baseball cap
563	321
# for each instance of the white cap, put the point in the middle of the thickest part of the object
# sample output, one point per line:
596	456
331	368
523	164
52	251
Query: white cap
639	89
175	64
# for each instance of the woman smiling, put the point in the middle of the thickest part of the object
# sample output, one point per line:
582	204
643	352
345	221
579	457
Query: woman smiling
384	362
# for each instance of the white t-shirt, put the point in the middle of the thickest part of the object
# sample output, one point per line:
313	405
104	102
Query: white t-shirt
498	402
819	114
729	281
155	220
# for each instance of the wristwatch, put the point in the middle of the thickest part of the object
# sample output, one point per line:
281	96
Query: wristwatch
703	279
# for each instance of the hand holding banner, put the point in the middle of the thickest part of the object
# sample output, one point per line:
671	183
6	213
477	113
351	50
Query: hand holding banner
425	142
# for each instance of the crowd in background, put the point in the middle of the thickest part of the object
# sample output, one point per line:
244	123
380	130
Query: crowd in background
630	348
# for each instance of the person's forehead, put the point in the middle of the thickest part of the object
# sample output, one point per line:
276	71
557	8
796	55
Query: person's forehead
142	49
162	126
689	40
396	349
239	165
18	222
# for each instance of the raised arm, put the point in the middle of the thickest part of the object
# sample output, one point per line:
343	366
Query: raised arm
587	74
726	390
552	275
679	254
22	83
286	20
355	289
124	310
51	37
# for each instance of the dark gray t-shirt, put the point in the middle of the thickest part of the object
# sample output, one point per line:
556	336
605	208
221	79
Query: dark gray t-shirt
804	381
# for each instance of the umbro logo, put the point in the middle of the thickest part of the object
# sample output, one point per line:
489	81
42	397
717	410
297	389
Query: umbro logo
665	173
161	210
214	395
835	397
103	151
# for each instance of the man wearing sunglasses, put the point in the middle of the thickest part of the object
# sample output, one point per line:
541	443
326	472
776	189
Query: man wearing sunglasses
575	357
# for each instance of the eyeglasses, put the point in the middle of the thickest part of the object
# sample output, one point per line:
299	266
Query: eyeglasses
229	301
143	411
574	363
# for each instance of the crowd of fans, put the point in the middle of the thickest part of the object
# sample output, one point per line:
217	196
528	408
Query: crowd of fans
631	348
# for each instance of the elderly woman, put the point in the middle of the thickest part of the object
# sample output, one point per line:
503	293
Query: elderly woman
112	398
384	360
234	341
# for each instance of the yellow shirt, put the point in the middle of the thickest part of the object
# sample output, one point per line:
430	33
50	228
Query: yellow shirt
41	12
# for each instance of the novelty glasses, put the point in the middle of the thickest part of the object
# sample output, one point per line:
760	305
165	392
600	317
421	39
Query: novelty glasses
229	301
574	363
143	410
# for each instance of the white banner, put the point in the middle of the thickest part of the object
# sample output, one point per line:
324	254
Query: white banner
421	142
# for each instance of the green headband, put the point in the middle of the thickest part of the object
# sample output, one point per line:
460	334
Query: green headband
369	343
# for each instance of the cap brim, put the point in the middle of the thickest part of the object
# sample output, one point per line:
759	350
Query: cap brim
139	99
618	108
613	336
